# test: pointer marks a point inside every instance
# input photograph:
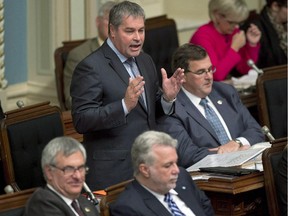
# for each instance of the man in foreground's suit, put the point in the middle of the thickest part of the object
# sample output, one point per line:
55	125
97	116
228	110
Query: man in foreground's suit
157	175
84	49
111	104
189	123
63	164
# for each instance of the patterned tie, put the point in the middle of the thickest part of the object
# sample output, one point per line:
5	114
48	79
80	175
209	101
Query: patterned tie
172	205
77	208
135	72
215	122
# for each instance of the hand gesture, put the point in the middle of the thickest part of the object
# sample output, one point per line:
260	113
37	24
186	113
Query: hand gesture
133	92
253	34
172	86
238	41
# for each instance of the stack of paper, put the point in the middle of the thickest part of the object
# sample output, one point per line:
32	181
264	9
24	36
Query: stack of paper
230	159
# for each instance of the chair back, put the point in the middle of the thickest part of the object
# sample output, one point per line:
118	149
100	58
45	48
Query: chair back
13	204
272	99
161	40
112	194
24	133
60	57
270	159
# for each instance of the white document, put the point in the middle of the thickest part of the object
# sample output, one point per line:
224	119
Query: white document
229	159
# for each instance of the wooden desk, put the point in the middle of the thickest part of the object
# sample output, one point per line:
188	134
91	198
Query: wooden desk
243	195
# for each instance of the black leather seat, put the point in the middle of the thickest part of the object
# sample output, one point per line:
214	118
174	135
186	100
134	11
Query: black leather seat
24	133
272	99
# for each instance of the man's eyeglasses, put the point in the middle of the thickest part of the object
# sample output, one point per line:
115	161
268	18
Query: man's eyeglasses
69	170
200	72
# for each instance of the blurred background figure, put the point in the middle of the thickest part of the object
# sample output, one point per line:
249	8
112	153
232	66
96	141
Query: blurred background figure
83	50
229	47
272	23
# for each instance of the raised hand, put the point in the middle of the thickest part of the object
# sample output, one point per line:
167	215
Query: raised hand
253	34
172	86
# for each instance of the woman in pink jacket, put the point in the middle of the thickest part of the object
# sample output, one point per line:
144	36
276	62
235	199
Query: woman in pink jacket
228	47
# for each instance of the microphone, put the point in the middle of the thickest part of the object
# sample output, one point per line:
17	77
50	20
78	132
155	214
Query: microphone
266	131
251	63
90	194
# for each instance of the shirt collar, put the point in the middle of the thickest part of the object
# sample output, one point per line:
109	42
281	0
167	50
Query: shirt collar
120	56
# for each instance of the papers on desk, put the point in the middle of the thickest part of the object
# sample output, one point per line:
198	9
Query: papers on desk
237	158
245	81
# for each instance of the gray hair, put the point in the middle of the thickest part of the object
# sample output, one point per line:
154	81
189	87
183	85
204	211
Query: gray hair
105	8
186	53
237	9
60	145
141	151
122	10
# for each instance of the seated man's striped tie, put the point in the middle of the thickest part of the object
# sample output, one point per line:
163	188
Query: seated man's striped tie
215	122
172	205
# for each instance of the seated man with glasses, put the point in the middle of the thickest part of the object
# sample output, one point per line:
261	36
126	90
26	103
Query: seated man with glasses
209	116
63	164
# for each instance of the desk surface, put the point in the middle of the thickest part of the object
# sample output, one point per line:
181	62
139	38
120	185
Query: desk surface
232	185
244	195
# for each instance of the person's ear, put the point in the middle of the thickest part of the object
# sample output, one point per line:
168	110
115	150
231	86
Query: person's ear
112	30
48	172
144	170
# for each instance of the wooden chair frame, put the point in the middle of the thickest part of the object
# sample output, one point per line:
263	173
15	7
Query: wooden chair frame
15	200
59	68
271	196
14	117
112	194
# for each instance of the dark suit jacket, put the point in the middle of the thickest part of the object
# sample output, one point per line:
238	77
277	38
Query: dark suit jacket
74	57
136	200
98	85
194	133
46	202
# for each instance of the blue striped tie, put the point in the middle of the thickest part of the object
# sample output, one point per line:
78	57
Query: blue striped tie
215	122
172	205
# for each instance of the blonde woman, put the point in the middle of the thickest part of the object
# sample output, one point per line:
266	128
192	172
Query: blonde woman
229	47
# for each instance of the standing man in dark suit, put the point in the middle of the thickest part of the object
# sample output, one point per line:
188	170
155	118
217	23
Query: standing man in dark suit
158	177
116	96
189	123
63	164
84	49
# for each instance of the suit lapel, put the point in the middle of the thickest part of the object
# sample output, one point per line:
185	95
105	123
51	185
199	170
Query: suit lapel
151	201
86	209
143	73
121	71
195	113
115	63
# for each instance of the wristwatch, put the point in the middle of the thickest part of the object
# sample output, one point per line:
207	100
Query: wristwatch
239	142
